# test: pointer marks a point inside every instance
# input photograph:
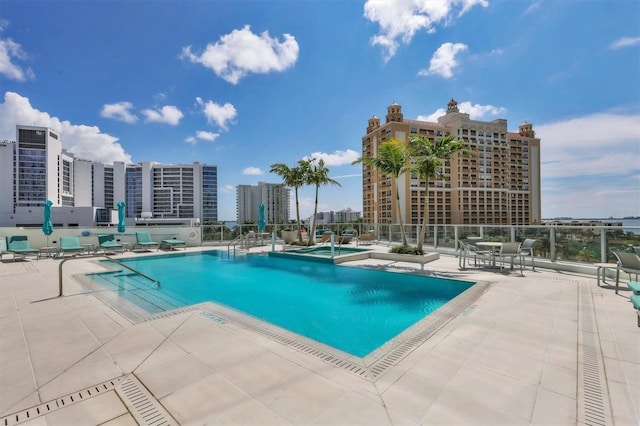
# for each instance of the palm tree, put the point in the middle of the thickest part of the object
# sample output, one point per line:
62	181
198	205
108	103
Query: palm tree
392	161
293	177
427	160
318	175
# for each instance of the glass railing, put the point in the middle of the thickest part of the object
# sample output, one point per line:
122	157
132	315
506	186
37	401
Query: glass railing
588	244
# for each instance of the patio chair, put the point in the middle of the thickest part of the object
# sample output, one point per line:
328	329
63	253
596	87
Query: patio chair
143	240
511	251
347	236
627	262
19	246
70	245
366	238
326	237
526	249
468	251
107	242
3	247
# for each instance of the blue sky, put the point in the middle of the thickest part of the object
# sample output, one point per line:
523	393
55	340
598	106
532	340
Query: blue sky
244	84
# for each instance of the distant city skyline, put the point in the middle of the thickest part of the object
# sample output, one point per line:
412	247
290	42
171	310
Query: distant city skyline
243	85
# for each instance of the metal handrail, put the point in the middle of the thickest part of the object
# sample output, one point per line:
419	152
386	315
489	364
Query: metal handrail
236	240
93	256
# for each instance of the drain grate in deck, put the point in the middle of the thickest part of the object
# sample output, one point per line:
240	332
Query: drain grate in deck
592	409
298	345
142	405
59	403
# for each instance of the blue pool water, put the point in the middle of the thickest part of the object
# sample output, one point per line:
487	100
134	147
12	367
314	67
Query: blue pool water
325	251
352	309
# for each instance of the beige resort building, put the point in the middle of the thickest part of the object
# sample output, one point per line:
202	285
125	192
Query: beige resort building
498	183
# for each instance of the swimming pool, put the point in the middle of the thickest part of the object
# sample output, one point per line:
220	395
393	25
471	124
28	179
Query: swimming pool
355	310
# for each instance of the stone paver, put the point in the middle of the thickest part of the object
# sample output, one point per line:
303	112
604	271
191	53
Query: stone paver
513	357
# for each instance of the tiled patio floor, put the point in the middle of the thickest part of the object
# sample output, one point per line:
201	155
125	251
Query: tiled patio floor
546	348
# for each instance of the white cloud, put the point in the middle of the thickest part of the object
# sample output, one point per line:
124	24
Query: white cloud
168	114
219	114
86	142
207	136
597	144
202	135
533	6
228	189
625	42
590	166
337	158
475	111
120	111
252	171
443	61
242	52
9	52
399	21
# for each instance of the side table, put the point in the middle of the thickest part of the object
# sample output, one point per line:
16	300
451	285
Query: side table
602	269
47	252
89	248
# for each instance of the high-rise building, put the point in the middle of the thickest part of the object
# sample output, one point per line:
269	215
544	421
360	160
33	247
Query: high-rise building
39	168
35	168
274	196
347	215
497	183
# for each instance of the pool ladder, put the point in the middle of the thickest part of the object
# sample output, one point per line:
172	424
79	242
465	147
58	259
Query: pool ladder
234	243
106	257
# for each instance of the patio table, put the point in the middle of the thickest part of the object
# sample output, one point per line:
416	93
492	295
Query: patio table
493	246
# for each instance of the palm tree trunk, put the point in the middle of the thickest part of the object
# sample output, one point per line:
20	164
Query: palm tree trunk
425	215
404	237
298	218
312	234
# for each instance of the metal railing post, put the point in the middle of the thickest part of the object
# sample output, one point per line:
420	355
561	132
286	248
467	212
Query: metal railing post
435	236
603	246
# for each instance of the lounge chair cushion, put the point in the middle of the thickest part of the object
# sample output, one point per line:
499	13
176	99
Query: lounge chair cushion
70	244
108	242
19	244
144	239
635	299
634	286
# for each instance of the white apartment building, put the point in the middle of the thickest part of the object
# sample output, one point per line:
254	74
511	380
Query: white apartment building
34	168
274	196
347	215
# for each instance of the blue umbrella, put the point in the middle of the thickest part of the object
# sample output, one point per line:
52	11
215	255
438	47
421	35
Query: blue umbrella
261	223
121	225
47	226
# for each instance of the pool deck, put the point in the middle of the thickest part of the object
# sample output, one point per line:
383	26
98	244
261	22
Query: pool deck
543	348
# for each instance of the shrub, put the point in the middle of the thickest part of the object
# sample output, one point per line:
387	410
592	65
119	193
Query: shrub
406	250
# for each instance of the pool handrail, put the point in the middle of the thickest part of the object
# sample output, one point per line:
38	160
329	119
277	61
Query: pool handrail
235	242
98	255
